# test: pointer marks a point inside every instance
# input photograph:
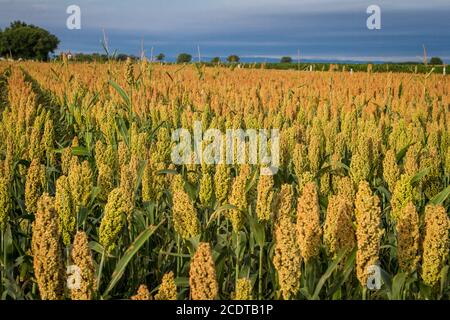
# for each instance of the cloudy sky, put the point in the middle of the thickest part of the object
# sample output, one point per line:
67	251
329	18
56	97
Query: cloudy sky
321	29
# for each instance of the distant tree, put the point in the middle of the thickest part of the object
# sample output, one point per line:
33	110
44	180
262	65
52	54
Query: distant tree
233	59
436	61
160	57
184	58
286	60
26	41
124	57
215	60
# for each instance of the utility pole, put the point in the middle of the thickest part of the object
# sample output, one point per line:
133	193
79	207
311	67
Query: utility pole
199	55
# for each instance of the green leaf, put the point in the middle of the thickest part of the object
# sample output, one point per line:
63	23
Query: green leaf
80	151
348	268
339	164
219	211
129	254
401	154
441	197
398	282
121	92
167	171
123	130
444	273
257	230
387	279
419	176
384	191
97	247
328	274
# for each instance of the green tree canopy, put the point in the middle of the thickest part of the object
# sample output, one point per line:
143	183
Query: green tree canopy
286	60
233	59
184	58
26	41
160	57
215	60
436	61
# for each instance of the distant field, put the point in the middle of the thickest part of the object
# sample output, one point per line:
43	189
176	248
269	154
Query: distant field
89	191
357	67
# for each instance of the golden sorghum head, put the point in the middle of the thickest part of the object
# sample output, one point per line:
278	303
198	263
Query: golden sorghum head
48	139
287	259
66	156
206	189
202	274
285	203
361	162
113	219
325	184
105	179
160	152
264	200
315	152
309	232
152	182
435	244
167	289
410	162
5	203
123	154
338	229
142	293
6	166
402	195
76	185
184	215
129	71
345	188
66	159
243	290
222	183
86	179
35	149
47	251
129	184
305	178
447	161
35	185
137	142
81	256
238	198
300	159
65	209
408	238
391	171
368	230
432	183
105	154
75	142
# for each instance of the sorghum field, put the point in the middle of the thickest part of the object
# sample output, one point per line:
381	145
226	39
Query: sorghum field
92	207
